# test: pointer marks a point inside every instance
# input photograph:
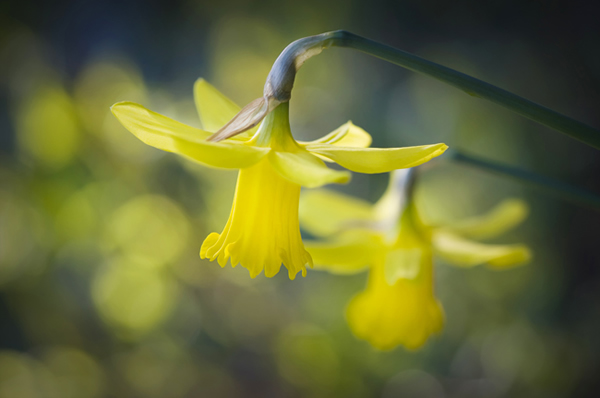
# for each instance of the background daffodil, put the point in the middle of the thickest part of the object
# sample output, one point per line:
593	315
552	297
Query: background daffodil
262	231
398	306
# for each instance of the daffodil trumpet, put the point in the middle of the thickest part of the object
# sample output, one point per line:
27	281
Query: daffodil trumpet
398	306
263	232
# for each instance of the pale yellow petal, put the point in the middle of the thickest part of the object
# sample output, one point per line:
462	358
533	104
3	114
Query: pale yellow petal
402	264
466	253
169	135
349	255
324	212
348	135
378	160
501	218
215	109
305	169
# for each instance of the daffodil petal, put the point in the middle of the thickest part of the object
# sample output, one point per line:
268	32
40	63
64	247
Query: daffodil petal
136	117
350	255
466	253
324	212
302	168
169	135
348	135
506	215
402	264
215	109
378	160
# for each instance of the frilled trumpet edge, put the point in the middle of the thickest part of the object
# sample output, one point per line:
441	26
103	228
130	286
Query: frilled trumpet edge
262	231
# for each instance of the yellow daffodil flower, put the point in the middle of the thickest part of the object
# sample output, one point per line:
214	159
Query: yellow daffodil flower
263	231
399	307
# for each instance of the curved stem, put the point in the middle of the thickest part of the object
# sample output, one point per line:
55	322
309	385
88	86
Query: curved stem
281	79
558	188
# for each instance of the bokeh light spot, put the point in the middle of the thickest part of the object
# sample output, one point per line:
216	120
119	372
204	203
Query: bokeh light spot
133	300
151	229
47	127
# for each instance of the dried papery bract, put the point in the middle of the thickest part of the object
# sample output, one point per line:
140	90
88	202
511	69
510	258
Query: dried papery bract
250	116
278	87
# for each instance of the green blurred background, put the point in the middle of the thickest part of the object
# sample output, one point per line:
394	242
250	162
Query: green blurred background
102	292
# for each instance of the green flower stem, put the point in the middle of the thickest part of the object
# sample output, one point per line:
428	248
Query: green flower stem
563	190
280	80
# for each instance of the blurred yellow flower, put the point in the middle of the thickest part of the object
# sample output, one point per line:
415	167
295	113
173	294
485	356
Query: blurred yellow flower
262	231
398	306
